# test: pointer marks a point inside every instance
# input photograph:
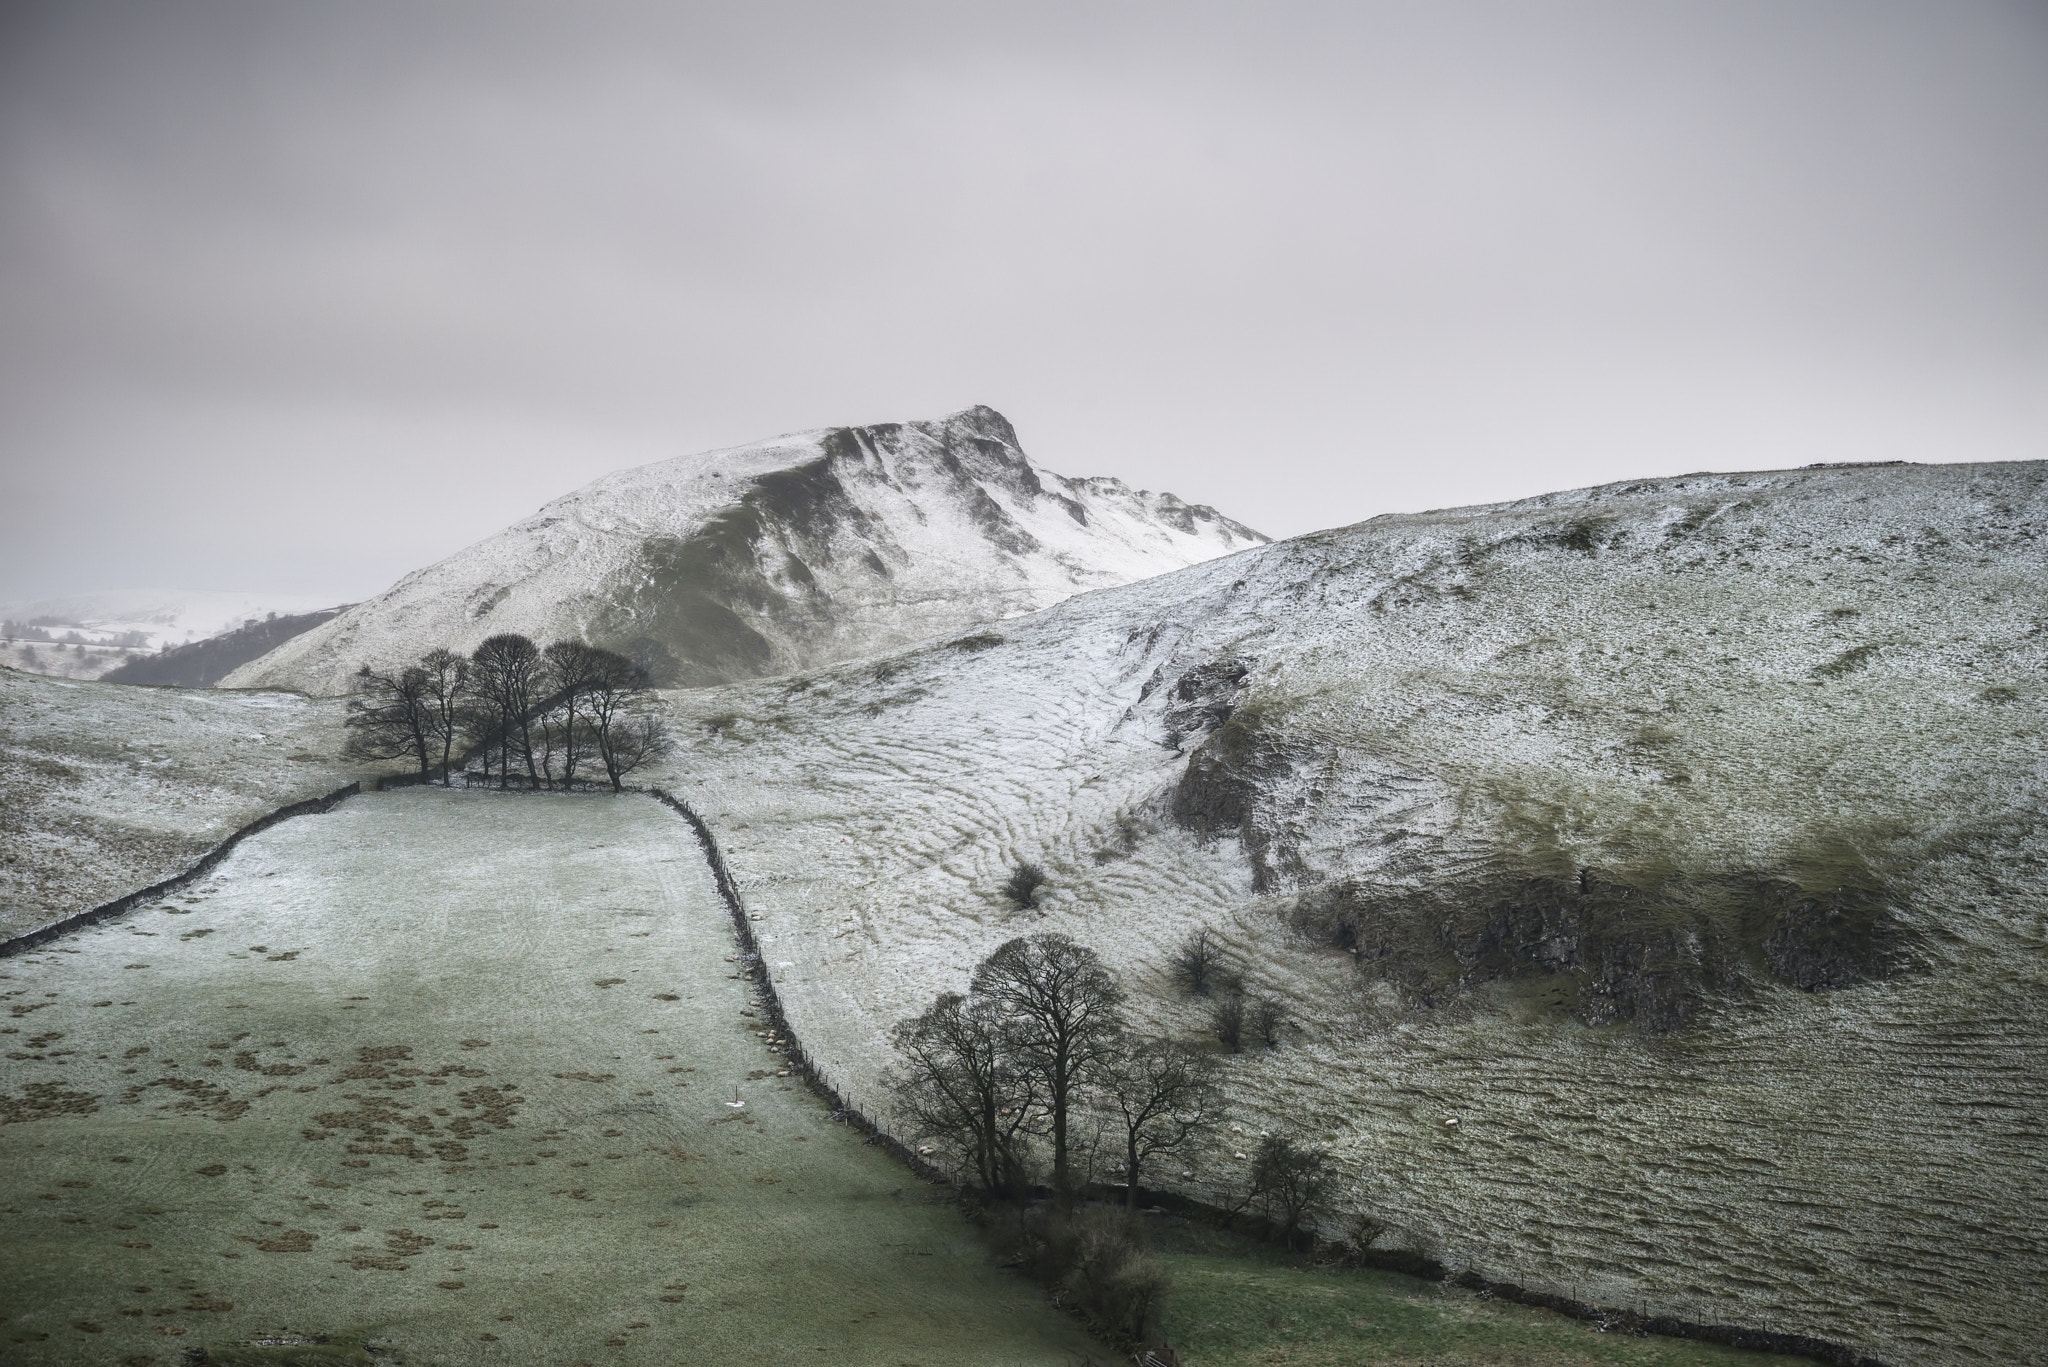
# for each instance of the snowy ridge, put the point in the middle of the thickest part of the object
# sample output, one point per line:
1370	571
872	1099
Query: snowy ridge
1713	687
763	559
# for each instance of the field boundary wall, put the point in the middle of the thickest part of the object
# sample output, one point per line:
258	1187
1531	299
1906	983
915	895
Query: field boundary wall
800	1062
21	944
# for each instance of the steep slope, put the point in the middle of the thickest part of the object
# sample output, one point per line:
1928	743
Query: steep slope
1651	875
201	664
764	559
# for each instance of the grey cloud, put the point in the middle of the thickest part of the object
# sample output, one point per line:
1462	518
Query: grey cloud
260	264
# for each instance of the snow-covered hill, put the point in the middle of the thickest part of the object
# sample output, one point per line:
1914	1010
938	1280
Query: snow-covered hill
764	559
1651	875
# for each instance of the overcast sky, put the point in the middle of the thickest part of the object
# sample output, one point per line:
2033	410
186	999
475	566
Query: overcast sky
300	297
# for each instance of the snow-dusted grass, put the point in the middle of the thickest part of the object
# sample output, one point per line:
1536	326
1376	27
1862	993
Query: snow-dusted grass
448	1071
105	788
1708	674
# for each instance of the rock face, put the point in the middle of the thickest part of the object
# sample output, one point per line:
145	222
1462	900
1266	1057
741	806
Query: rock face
765	559
1679	840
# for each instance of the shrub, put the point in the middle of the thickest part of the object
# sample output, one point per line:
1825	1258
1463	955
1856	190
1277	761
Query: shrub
1362	1233
1194	962
1024	882
1094	1259
1291	1182
1264	1019
1226	1017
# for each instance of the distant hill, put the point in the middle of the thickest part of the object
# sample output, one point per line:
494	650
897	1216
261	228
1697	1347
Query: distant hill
202	664
764	559
145	619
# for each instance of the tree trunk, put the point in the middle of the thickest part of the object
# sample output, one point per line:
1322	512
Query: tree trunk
1059	1083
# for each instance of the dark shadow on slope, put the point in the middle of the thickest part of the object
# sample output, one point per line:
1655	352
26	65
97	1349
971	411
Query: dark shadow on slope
202	664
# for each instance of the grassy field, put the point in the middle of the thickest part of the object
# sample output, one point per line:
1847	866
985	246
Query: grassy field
446	1074
1240	1305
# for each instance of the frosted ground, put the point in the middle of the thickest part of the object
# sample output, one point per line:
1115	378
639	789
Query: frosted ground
1675	684
447	1073
105	789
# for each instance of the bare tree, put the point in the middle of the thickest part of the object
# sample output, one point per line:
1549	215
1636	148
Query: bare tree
1265	1019
550	738
391	716
1164	1094
633	740
624	715
571	667
1195	961
961	1086
1291	1181
505	669
1062	1012
447	677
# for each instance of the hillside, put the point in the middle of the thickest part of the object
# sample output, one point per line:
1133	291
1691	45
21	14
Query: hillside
105	789
1651	875
765	559
201	664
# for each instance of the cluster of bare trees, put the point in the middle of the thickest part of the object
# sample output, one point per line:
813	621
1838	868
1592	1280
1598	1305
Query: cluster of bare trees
1037	1050
1235	1014
1038	1035
542	718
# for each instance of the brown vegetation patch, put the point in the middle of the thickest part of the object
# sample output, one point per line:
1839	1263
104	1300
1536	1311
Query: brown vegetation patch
42	1100
199	1096
371	1262
291	1241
